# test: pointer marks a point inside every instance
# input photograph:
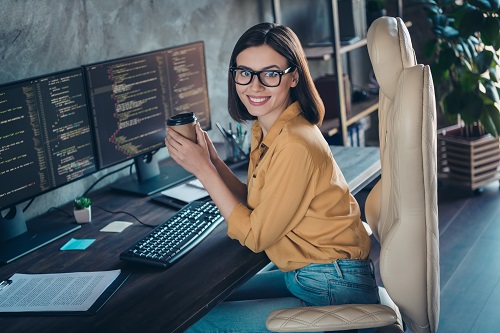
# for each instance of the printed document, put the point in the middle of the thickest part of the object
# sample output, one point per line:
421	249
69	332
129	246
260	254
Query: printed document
54	292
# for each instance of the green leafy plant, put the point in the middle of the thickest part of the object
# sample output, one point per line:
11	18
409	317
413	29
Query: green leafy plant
82	203
465	59
375	5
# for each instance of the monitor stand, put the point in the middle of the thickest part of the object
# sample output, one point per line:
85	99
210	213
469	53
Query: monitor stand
17	240
151	178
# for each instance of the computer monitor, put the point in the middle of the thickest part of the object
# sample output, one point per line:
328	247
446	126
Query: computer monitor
45	142
131	99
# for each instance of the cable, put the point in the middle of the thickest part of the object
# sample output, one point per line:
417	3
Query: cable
107	211
29	204
88	190
59	209
106	175
127	213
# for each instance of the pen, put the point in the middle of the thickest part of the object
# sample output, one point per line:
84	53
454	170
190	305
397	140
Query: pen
225	135
238	130
4	284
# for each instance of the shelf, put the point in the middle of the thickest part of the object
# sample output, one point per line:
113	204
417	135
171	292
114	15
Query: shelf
325	52
359	110
319	52
330	127
350	47
362	109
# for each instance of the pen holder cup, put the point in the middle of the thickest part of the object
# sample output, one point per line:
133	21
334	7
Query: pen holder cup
234	152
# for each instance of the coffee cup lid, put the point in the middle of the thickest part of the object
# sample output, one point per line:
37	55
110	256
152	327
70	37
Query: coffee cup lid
181	119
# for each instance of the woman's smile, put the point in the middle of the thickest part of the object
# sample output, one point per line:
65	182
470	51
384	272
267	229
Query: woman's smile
258	100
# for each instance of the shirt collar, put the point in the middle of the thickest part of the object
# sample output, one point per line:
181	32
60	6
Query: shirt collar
290	112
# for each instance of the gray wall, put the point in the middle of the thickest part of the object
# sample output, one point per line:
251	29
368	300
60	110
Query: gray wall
43	36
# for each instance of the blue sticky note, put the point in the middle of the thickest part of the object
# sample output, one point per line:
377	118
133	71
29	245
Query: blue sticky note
77	244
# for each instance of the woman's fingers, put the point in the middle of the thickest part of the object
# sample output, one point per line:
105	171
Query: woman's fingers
192	156
200	136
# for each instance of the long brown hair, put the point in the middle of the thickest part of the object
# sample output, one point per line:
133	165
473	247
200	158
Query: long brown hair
284	41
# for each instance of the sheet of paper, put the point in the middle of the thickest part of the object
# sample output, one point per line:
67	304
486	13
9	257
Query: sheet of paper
116	226
54	292
196	183
77	244
185	192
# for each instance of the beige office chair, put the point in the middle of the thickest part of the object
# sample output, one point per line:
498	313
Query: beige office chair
402	207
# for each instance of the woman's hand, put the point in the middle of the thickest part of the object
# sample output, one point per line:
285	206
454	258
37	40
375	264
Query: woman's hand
194	157
214	157
199	158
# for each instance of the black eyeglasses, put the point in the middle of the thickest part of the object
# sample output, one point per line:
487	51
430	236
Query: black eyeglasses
269	77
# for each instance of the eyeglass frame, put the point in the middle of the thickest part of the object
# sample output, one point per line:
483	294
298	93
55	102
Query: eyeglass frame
257	73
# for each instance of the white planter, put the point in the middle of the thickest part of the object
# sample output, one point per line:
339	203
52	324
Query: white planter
83	215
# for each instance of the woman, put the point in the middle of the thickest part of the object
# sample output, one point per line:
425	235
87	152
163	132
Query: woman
297	206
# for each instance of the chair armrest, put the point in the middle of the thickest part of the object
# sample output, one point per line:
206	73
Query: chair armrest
330	318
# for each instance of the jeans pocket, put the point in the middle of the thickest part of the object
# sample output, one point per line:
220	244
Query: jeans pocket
354	289
311	287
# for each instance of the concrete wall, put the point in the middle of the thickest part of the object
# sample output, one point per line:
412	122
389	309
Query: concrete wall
42	36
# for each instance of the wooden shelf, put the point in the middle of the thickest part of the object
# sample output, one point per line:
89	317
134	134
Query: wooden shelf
359	110
319	52
350	47
330	127
326	52
362	109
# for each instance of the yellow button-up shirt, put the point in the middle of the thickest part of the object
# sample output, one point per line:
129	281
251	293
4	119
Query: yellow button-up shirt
299	208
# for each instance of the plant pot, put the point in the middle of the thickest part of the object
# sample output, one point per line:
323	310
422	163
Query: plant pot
83	215
472	162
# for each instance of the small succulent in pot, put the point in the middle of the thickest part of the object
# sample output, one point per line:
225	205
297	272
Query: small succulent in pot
82	203
82	209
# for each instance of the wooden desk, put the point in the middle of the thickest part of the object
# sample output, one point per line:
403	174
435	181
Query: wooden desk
152	299
360	165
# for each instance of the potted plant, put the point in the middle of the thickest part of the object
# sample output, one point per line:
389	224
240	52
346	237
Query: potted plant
82	209
464	56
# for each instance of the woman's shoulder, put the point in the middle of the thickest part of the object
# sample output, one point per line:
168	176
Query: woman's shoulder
300	132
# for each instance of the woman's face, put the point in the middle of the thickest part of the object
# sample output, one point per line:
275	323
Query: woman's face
265	103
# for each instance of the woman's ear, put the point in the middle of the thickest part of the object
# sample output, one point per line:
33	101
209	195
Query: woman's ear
295	79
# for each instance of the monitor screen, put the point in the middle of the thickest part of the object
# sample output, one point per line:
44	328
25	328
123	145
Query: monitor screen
45	140
131	99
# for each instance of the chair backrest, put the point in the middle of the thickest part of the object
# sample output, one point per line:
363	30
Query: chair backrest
402	208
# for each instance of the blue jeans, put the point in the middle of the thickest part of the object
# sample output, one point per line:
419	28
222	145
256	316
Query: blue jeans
246	309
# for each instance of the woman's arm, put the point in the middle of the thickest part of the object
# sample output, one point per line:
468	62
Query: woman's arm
238	188
280	197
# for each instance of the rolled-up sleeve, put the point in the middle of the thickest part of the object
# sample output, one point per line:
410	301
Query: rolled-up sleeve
236	229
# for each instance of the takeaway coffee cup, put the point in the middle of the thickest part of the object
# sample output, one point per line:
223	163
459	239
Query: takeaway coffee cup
184	124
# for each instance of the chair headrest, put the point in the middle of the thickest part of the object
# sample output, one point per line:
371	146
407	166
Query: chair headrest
390	50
